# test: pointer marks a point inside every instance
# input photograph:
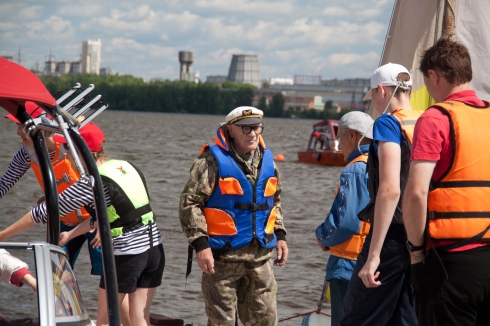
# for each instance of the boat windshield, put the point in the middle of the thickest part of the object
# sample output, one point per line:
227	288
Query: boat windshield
21	305
67	298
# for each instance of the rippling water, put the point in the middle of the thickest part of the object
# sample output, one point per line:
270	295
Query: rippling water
163	146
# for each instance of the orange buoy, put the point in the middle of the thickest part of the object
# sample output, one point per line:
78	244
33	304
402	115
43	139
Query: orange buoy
279	157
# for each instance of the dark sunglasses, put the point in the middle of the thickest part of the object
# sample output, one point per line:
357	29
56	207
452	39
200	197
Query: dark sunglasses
248	129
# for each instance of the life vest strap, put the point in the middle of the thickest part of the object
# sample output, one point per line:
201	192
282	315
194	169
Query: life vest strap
459	184
464	242
408	122
437	215
252	206
268	238
133	216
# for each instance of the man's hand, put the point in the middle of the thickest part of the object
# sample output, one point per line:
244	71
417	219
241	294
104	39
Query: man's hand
322	246
205	260
417	256
2	236
367	273
282	253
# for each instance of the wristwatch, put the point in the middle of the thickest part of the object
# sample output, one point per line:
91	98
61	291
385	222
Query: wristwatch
412	248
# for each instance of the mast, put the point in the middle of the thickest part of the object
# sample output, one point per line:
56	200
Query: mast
448	20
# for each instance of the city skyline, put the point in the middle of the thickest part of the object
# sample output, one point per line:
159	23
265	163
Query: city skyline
332	39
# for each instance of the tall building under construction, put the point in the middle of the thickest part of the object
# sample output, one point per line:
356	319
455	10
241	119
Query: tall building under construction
244	69
91	51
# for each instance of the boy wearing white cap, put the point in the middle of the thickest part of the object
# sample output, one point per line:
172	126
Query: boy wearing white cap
230	211
342	233
380	291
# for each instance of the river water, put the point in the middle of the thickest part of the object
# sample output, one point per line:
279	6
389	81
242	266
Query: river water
163	146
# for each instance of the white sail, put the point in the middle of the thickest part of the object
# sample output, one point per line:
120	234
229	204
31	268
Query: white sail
417	24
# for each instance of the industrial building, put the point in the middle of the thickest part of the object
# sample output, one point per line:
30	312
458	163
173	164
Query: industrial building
218	79
308	93
89	62
244	69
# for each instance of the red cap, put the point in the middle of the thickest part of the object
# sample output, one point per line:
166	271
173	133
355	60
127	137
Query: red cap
93	136
316	134
32	108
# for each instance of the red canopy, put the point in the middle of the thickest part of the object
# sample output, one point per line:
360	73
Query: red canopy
17	85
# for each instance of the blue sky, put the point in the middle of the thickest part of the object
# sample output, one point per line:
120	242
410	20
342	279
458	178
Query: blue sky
334	38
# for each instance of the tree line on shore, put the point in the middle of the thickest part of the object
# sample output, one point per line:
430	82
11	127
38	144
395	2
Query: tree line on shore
129	93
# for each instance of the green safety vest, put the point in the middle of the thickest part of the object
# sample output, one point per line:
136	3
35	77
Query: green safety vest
129	196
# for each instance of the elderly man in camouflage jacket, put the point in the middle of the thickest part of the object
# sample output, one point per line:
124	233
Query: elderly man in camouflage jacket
230	211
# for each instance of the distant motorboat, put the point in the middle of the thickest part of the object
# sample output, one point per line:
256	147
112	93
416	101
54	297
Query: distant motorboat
322	145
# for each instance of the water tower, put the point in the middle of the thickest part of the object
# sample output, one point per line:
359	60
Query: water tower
186	58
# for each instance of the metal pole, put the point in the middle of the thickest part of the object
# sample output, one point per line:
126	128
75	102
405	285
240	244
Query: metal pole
104	229
47	173
50	189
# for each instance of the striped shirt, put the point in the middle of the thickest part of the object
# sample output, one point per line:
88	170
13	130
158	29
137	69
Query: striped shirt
132	242
16	169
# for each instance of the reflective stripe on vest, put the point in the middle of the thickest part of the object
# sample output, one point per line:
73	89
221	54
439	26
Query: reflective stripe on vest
406	120
65	176
459	203
351	248
237	211
129	196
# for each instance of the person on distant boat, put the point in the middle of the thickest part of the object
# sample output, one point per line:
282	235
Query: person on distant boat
230	211
448	194
342	233
380	291
137	242
320	138
65	174
14	271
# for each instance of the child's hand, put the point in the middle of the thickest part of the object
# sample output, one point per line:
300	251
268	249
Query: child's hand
64	238
96	241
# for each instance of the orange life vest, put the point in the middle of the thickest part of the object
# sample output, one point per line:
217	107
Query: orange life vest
351	248
459	202
65	176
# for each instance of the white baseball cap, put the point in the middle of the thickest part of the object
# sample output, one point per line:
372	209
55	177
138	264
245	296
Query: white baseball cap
386	76
358	121
244	115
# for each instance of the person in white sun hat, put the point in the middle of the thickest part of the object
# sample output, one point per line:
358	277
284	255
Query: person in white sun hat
380	290
342	234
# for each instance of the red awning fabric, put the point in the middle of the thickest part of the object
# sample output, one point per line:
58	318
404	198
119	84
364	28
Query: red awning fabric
17	85
326	122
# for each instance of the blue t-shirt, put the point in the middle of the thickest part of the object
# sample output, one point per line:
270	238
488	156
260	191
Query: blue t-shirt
386	128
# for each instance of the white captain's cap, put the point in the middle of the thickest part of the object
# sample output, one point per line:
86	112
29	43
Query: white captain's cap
387	75
244	115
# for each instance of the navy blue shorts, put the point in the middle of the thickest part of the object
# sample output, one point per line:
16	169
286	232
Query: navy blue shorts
73	247
144	270
392	302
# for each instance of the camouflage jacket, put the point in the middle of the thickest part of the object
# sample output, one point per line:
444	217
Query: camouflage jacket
203	176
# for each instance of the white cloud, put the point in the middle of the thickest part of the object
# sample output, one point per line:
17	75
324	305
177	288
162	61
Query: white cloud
143	37
7	26
343	59
247	6
81	9
53	27
335	11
